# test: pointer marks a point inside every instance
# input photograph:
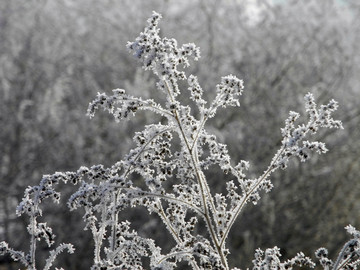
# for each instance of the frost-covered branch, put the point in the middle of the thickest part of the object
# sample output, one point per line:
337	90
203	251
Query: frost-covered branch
167	173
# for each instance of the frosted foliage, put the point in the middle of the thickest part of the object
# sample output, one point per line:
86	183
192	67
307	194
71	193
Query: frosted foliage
172	158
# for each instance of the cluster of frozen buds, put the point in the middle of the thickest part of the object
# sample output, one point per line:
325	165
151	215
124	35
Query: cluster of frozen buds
270	259
294	143
104	192
162	55
349	256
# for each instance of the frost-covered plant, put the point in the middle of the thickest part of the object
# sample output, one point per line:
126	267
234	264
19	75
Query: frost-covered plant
172	158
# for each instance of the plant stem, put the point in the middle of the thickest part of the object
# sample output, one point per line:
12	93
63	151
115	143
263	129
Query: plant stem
204	189
239	208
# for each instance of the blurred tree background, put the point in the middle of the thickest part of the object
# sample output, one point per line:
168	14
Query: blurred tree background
56	55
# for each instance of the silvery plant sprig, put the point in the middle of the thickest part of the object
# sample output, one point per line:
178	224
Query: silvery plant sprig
172	159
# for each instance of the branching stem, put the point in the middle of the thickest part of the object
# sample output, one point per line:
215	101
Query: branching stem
205	192
254	187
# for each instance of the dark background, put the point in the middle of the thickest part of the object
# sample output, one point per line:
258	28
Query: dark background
56	55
